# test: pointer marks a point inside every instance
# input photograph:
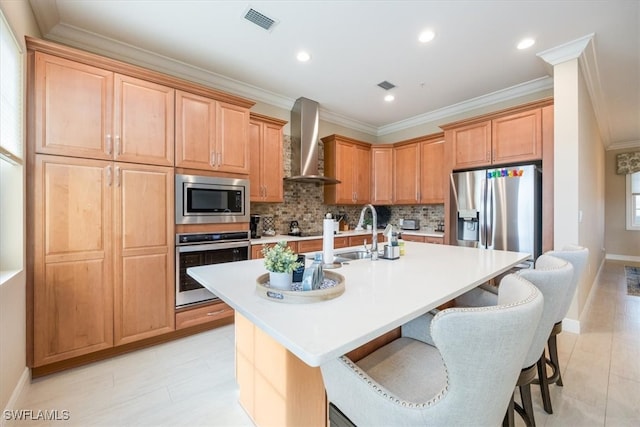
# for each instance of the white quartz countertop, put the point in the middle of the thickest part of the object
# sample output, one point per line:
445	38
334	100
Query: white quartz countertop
279	237
380	296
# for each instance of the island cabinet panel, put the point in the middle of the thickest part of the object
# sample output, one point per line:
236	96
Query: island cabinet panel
276	388
381	175
211	135
73	258
144	286
266	159
349	161
85	111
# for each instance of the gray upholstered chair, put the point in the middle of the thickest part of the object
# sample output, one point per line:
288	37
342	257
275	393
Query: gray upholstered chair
552	276
578	257
458	367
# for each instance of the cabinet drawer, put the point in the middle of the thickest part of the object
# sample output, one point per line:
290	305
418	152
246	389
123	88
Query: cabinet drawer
340	242
436	240
413	238
309	245
199	315
359	239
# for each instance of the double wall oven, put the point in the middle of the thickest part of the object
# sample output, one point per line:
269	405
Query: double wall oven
208	200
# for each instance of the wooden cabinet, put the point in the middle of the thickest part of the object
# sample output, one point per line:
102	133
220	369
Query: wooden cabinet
144	256
73	262
406	172
358	240
507	138
276	387
265	158
103	263
186	318
432	173
314	245
85	111
434	240
418	168
413	238
349	161
211	135
382	174
256	249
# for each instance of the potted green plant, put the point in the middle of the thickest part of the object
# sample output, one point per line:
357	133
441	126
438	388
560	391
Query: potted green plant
280	261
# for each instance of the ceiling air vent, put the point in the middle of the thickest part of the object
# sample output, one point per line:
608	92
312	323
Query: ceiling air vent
259	19
386	85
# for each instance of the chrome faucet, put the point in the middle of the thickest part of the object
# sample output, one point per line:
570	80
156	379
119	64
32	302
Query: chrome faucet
374	230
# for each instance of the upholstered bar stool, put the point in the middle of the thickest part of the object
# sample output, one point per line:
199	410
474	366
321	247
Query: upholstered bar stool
552	276
577	256
439	371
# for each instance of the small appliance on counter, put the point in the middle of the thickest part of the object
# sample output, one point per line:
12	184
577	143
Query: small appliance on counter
268	225
411	224
440	227
256	232
294	229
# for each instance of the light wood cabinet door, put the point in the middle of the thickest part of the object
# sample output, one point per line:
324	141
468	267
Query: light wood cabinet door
361	170
145	258
232	138
471	145
211	135
73	258
144	121
432	179
265	160
349	161
195	131
72	104
381	175
517	137
406	171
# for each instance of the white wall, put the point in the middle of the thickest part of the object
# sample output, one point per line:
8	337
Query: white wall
12	292
578	175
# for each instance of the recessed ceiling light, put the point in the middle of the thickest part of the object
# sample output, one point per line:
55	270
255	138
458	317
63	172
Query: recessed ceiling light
426	36
303	56
389	98
526	43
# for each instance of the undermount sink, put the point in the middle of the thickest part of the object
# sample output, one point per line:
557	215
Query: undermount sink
353	255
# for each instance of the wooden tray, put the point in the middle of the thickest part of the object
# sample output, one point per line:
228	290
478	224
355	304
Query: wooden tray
300	297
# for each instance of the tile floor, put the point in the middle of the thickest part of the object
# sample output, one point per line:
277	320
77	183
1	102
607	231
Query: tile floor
190	382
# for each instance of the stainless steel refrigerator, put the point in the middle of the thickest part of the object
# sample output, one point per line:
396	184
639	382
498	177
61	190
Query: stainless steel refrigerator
498	208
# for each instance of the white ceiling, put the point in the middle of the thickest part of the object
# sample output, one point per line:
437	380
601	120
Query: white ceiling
357	44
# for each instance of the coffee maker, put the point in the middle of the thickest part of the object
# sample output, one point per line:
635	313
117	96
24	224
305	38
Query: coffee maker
256	232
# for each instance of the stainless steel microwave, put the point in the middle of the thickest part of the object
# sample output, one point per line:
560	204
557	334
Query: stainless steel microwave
211	200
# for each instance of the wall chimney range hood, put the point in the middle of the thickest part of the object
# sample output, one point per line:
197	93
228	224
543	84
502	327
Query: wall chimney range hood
305	120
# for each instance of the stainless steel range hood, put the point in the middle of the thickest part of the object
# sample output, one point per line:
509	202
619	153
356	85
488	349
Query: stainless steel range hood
305	120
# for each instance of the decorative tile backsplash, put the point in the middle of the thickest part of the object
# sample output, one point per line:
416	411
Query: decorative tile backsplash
303	202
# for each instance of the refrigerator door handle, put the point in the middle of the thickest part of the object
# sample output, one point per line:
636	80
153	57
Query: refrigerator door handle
488	209
483	213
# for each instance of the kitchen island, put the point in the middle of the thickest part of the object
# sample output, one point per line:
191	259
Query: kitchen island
279	346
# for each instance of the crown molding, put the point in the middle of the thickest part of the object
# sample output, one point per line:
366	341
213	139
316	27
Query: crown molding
567	51
522	89
623	145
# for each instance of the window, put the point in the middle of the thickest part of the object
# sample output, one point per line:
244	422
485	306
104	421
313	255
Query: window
11	142
633	201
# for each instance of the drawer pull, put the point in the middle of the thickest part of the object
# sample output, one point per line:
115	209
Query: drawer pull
213	313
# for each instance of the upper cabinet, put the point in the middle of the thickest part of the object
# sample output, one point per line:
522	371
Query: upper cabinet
418	171
506	137
349	161
89	112
211	135
381	174
265	158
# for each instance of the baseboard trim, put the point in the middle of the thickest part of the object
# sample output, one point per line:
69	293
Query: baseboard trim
22	383
615	257
571	325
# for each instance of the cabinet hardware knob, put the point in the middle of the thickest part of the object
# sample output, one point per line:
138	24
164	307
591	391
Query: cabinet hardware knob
109	178
118	176
219	159
212	162
213	313
117	145
108	143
